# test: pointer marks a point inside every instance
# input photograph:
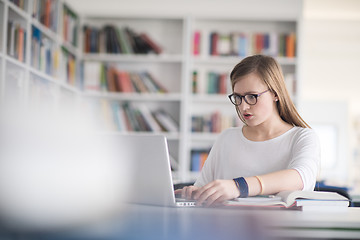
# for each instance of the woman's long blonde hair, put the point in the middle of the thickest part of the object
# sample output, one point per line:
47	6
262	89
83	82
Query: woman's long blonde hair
270	72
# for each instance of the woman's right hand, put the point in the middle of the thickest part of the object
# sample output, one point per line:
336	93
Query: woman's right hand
187	192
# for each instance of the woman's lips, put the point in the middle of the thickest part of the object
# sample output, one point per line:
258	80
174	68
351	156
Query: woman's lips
247	115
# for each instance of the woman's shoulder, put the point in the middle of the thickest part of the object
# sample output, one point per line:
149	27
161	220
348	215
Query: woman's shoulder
304	133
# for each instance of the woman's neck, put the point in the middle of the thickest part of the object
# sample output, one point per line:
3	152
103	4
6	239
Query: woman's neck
266	130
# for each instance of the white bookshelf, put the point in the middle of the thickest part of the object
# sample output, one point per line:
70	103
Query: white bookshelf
173	68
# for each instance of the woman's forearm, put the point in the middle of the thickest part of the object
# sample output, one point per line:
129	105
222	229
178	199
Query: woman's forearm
275	182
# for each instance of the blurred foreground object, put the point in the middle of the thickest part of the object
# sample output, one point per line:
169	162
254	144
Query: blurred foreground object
57	171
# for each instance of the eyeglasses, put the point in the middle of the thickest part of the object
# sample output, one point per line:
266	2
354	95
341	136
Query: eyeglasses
250	99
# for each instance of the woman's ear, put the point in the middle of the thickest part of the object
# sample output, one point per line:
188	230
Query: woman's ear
276	97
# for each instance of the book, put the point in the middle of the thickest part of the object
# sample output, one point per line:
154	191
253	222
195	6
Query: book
196	43
294	199
153	45
92	76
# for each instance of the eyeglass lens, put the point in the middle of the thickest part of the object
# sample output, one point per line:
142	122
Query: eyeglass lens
249	99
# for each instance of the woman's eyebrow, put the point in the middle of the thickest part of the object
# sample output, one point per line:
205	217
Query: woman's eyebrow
249	92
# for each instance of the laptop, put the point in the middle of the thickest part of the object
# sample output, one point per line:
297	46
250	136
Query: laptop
151	182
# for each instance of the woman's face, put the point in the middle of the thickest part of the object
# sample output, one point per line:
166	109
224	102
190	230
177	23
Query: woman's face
264	109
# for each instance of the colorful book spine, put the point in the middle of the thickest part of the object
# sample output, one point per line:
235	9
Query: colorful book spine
243	44
99	77
196	43
16	37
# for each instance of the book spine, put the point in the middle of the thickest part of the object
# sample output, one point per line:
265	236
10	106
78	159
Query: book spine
196	43
154	46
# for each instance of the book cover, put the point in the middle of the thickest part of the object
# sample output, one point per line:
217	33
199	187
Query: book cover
123	40
214	39
21	45
111	79
123	80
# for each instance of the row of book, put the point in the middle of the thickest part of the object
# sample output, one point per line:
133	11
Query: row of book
129	117
45	11
102	77
70	25
216	83
44	53
16	41
244	44
52	60
213	123
198	158
112	39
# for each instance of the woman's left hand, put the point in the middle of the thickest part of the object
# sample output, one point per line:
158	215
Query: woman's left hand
216	192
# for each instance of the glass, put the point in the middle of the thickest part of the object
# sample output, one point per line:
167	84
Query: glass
250	99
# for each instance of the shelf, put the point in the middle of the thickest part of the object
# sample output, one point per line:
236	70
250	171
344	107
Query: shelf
61	83
48	32
18	10
169	136
69	47
232	60
161	97
15	61
210	98
104	57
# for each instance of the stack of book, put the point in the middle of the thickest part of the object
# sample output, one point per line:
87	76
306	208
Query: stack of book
139	118
244	44
44	54
100	77
111	39
296	200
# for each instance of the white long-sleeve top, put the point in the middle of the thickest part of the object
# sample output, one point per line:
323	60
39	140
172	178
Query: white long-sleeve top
233	155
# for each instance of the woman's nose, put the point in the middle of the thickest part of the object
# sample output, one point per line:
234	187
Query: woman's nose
244	106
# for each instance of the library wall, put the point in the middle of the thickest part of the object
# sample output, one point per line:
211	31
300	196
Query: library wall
329	68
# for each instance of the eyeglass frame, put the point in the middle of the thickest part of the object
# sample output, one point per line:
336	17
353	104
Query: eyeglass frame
241	97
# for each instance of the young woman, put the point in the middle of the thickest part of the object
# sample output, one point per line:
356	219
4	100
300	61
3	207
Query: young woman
274	151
